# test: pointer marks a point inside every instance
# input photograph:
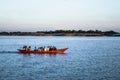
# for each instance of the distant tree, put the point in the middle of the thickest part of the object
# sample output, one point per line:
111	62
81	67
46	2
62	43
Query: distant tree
4	33
97	31
90	31
110	32
81	31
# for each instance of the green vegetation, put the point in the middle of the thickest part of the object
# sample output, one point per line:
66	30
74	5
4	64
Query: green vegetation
63	33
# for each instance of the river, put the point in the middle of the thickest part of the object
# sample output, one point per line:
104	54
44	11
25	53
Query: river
88	58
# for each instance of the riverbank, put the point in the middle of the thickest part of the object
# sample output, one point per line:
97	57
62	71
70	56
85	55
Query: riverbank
62	33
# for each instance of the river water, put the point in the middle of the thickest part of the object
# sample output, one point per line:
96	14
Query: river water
88	58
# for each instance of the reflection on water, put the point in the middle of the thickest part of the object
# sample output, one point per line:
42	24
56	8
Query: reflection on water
88	58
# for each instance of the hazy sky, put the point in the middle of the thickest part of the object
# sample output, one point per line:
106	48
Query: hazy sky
37	15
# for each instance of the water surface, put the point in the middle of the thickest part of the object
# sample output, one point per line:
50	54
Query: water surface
88	58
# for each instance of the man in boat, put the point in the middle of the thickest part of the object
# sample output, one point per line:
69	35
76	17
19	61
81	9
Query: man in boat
46	49
40	49
52	48
25	47
35	49
29	48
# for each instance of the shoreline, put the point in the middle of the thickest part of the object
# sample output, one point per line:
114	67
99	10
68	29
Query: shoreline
69	35
62	33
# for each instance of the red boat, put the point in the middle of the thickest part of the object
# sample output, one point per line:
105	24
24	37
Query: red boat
57	51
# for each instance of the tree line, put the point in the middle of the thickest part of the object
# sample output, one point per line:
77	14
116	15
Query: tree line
63	32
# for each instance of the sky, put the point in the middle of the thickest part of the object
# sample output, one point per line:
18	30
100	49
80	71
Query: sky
45	15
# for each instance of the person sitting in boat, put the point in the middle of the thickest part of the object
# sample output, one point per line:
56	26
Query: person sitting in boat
35	49
40	49
50	48
29	48
46	48
54	48
25	47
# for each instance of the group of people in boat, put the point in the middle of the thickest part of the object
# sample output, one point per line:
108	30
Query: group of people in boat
48	48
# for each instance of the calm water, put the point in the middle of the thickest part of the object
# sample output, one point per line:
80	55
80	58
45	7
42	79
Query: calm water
88	58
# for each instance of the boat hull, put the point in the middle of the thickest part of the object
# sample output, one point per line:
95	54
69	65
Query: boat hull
58	51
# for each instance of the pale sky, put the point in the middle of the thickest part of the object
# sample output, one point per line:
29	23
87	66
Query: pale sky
39	15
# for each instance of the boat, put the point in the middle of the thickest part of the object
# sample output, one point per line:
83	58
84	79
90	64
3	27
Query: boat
57	51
